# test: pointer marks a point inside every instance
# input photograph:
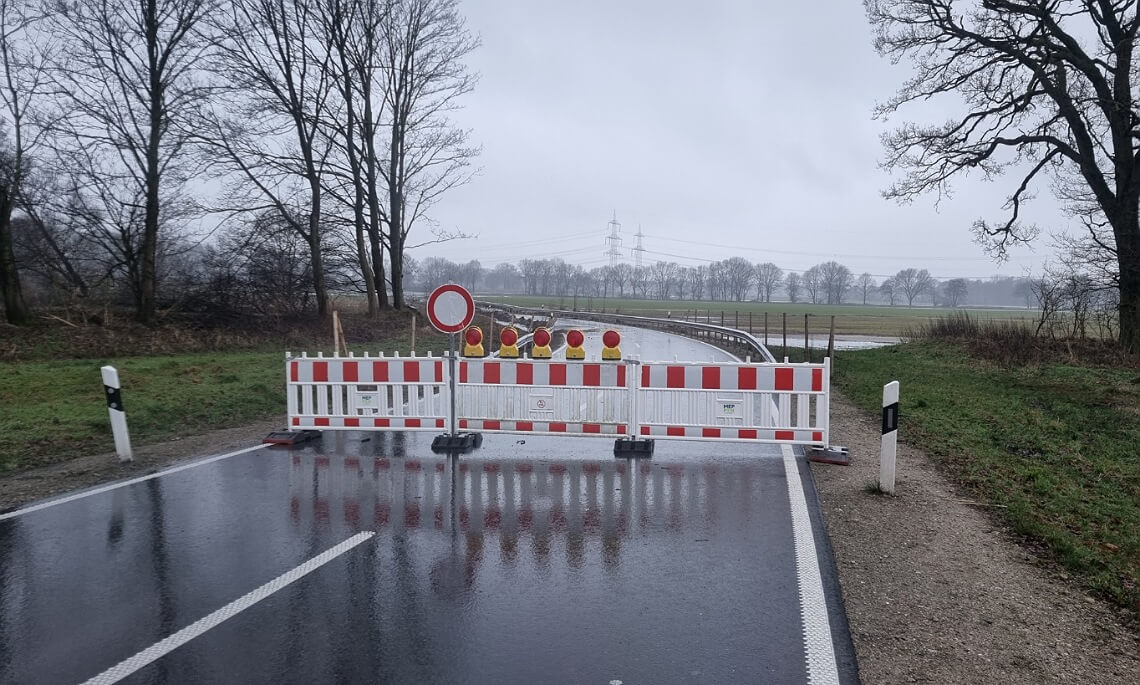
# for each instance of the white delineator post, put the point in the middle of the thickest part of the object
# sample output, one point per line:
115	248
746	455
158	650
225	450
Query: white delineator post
890	437
118	415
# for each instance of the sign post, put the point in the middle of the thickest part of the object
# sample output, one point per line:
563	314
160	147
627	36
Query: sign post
450	309
889	448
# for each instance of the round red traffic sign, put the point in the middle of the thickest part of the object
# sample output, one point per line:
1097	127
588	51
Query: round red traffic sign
450	308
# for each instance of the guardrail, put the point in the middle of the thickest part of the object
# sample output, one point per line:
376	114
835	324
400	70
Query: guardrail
722	335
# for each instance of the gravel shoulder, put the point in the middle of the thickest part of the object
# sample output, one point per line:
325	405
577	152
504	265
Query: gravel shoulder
937	591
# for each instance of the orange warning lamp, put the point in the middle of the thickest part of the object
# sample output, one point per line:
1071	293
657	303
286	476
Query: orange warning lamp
610	341
473	342
574	342
508	343
541	349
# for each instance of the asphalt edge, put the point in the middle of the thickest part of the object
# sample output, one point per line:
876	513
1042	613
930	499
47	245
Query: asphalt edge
842	643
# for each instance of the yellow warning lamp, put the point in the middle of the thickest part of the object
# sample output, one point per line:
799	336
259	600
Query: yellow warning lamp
610	341
508	343
574	341
541	349
473	342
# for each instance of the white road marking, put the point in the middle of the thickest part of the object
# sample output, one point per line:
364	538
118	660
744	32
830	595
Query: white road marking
123	484
164	647
819	651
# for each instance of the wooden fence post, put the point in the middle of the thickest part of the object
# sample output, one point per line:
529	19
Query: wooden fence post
807	350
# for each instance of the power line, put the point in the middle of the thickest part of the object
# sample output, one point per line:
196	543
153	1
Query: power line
826	254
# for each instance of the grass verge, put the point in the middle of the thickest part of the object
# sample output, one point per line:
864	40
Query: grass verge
1052	442
52	410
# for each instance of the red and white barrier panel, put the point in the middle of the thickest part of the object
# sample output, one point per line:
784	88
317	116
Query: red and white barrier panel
362	393
545	397
782	403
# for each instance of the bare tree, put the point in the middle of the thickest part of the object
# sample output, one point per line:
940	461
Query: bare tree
956	291
812	282
836	281
23	77
620	274
435	271
423	77
1049	89
912	283
127	83
663	275
768	278
890	289
865	284
471	273
792	284
268	136
348	27
698	277
738	274
26	60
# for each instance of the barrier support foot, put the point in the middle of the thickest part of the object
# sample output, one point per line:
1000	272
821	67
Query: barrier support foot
290	438
832	454
632	447
458	443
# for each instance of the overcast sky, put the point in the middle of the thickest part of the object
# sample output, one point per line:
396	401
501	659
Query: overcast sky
721	128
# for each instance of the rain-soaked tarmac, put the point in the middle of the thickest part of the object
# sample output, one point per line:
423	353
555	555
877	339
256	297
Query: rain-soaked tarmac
533	560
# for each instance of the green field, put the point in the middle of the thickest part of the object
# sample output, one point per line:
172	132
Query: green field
849	319
1054	445
52	410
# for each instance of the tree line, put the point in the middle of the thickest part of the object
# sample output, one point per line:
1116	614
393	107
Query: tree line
307	139
729	280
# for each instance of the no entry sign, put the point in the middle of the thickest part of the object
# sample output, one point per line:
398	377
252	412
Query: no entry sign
450	308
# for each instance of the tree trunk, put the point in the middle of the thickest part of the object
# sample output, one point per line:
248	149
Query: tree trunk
146	291
365	268
15	308
396	211
315	256
396	248
374	239
358	192
1127	230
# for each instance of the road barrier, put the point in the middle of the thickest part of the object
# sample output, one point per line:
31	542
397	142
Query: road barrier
366	393
770	402
734	401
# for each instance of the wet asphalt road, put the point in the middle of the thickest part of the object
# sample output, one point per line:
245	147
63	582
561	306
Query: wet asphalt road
535	559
